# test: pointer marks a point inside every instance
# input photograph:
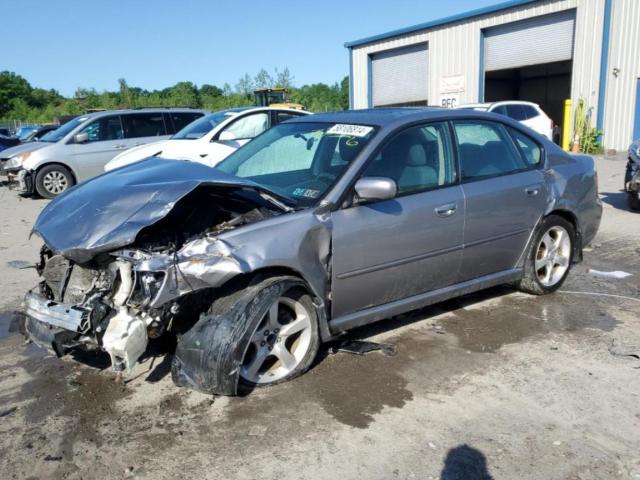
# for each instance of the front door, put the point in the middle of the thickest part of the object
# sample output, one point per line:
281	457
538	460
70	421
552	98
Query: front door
106	140
233	136
504	192
393	249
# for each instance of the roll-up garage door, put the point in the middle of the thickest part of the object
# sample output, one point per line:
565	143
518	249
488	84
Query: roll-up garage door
399	76
544	39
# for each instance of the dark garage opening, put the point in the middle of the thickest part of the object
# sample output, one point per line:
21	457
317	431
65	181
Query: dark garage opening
548	85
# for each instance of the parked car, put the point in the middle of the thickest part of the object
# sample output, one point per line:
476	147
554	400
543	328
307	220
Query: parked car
211	138
632	176
319	225
527	113
8	142
5	132
23	132
36	134
80	148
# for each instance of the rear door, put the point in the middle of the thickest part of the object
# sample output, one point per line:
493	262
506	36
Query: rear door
142	128
106	140
393	249
504	192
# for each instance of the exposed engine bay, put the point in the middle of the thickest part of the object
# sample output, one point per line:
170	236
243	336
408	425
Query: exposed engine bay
160	283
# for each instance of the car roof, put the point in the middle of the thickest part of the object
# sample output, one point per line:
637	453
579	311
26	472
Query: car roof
141	110
384	117
514	102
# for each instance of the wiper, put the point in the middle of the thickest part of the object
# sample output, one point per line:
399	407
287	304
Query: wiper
274	198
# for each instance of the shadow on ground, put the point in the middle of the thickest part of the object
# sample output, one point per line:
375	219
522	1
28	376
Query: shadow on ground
465	463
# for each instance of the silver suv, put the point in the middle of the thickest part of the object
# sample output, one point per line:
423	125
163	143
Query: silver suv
81	148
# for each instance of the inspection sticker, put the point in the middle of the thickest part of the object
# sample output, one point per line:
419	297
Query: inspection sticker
306	192
352	130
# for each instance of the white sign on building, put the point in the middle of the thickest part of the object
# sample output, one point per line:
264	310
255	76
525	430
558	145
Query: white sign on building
451	87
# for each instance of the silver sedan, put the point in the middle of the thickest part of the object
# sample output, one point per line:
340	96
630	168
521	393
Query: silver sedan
320	225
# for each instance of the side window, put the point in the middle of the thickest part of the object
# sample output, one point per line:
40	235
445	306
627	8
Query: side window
529	149
485	150
105	128
144	125
502	110
530	112
516	112
286	154
247	127
182	119
284	116
418	158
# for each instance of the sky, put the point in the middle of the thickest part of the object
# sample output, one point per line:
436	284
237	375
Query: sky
69	44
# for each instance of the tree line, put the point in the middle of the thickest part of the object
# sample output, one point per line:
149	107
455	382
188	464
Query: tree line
21	101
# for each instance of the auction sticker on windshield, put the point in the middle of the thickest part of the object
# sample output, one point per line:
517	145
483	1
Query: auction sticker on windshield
352	130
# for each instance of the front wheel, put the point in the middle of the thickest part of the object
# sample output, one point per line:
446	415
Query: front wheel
53	180
254	335
549	257
633	199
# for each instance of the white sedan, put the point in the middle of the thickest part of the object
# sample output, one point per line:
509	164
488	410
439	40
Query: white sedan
527	113
211	138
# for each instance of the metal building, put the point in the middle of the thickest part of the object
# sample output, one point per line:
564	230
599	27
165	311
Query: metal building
544	51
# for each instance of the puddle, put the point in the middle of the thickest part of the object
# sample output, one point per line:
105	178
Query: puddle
517	317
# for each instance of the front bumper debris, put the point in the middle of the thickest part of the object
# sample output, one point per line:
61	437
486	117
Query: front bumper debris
52	325
25	182
56	314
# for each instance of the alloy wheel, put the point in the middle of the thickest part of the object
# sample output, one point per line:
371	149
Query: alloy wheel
279	344
553	256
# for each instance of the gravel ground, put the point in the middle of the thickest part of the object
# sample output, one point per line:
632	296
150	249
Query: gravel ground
493	385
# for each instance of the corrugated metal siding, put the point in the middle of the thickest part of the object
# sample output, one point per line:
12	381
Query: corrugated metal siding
454	49
400	76
624	54
544	39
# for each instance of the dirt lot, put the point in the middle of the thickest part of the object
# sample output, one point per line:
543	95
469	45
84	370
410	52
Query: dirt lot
494	385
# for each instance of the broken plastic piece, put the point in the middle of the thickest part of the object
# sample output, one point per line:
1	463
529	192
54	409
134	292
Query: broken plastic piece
360	347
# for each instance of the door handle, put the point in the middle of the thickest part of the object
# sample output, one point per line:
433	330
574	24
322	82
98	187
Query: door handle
532	191
118	147
446	210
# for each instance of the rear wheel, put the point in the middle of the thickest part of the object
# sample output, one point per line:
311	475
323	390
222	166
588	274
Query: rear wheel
549	257
52	180
633	200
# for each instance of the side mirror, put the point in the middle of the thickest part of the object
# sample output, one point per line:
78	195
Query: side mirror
376	188
226	136
81	138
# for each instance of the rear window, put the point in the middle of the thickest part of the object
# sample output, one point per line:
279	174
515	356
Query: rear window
144	125
516	112
529	111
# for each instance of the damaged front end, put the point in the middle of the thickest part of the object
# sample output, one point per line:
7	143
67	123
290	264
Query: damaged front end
94	296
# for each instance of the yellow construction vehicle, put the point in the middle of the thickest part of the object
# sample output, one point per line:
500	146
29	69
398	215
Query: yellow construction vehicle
275	97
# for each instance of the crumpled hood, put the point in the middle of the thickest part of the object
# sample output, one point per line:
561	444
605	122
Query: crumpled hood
107	212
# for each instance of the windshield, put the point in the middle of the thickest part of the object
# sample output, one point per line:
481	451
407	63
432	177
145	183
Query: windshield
202	126
59	133
299	161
